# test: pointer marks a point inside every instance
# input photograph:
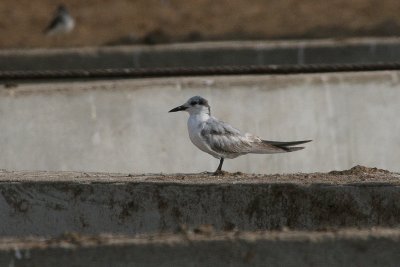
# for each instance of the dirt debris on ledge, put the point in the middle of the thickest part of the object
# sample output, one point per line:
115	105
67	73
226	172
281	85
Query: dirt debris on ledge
357	174
360	170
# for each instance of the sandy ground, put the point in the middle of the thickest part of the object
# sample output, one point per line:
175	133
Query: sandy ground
101	22
357	174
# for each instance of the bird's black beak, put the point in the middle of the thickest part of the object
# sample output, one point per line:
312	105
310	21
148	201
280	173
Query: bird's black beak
180	108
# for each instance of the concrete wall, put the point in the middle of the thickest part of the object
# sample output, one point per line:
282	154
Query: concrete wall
124	125
367	50
291	249
50	203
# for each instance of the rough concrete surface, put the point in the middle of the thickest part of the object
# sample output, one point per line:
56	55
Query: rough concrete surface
329	51
378	247
124	125
51	203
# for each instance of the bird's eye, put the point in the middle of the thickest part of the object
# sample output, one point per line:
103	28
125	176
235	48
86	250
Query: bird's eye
193	103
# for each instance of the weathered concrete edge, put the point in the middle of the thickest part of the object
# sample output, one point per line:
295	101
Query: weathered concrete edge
325	51
208	45
378	247
375	177
204	233
387	77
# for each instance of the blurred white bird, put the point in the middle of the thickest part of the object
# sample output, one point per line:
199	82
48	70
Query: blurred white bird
62	22
221	140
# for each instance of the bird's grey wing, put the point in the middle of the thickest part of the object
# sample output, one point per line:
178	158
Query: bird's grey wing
224	139
291	143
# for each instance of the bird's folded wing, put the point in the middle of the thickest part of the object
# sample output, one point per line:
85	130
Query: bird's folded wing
223	138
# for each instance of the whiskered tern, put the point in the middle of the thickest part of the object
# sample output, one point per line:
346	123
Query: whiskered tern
221	140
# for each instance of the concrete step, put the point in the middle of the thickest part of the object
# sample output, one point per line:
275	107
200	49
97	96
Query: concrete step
377	247
51	203
243	53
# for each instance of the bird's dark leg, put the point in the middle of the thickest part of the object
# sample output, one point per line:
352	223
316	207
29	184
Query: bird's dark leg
219	169
221	161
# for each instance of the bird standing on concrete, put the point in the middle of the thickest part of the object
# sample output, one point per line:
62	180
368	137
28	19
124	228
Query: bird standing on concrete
221	140
62	22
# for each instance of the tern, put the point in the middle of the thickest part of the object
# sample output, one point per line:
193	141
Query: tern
62	22
221	140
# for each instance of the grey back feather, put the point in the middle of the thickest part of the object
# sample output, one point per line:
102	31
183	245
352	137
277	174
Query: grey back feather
225	139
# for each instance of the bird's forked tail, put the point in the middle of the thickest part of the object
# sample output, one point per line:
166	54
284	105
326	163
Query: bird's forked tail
287	146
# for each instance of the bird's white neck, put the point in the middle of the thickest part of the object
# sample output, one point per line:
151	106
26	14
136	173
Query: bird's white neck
201	116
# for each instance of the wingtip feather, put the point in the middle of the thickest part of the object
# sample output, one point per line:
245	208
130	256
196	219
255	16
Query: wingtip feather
291	149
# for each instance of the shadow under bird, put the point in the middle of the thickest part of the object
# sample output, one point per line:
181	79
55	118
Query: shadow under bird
221	140
62	22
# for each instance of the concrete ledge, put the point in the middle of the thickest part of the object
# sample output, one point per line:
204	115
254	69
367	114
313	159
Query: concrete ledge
359	50
379	247
51	203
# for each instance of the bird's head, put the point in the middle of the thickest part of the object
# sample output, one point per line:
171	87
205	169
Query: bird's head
195	105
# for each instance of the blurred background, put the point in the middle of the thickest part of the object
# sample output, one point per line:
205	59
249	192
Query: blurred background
101	22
